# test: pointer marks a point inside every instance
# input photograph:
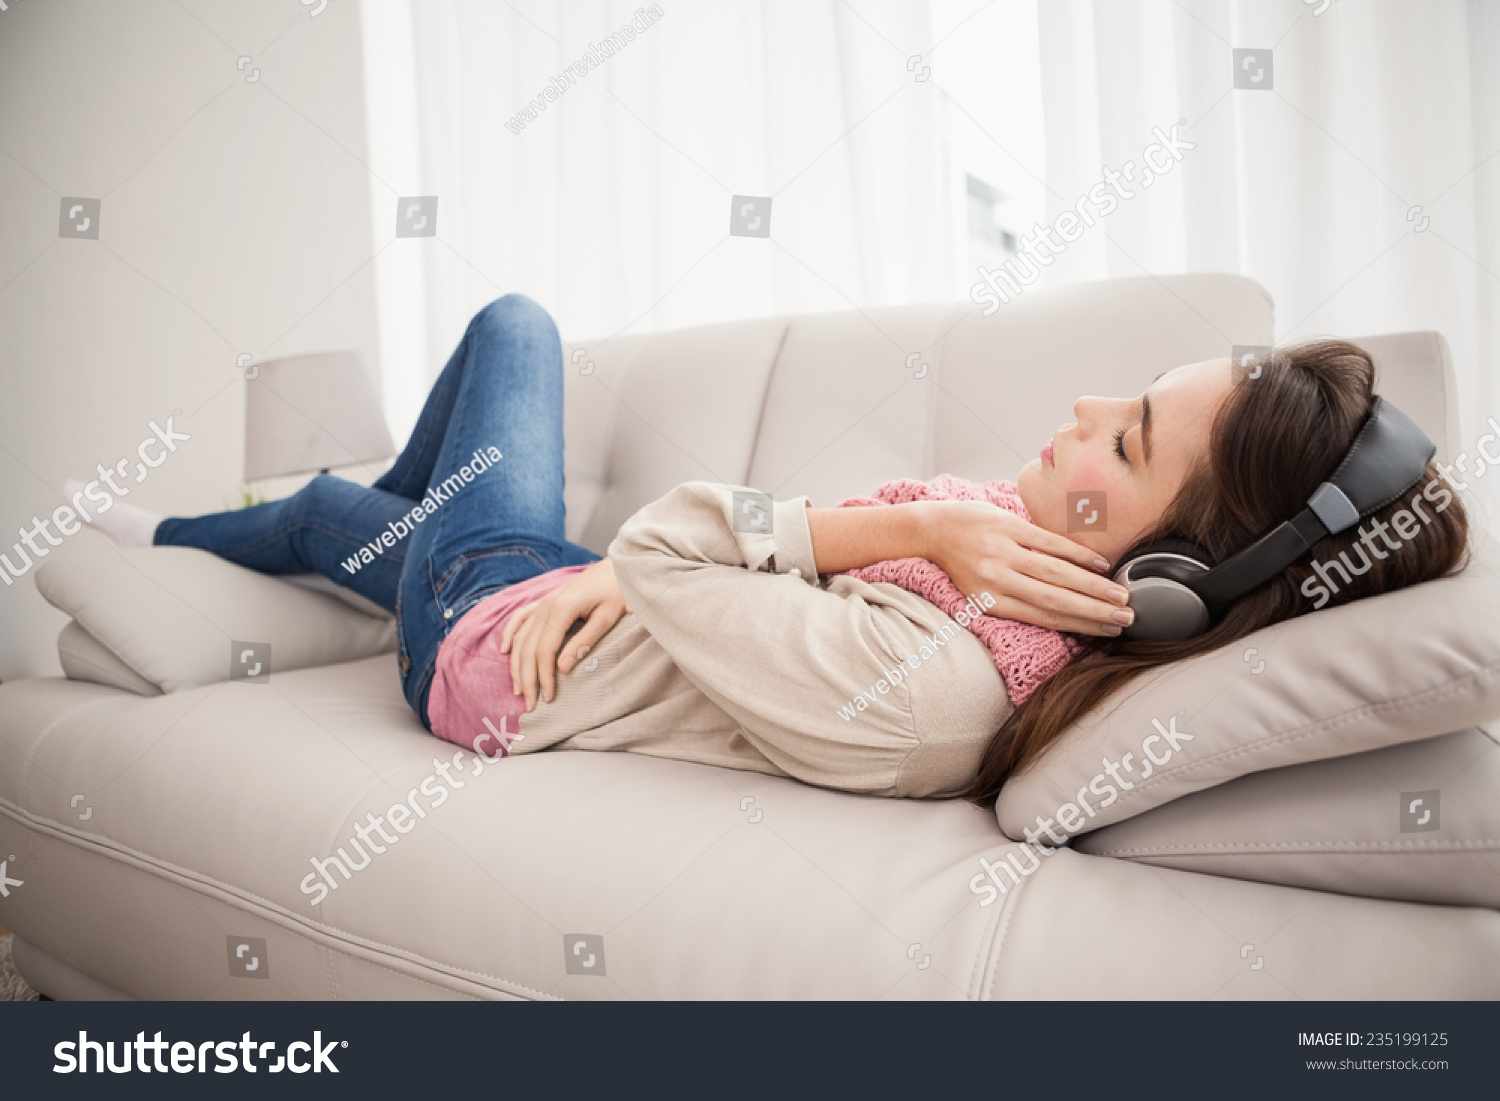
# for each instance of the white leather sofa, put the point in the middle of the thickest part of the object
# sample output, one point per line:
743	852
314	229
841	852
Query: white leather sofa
160	817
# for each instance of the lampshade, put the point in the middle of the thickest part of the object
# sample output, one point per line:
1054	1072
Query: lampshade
311	412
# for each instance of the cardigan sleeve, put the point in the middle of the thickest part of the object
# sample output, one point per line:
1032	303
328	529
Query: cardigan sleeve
856	686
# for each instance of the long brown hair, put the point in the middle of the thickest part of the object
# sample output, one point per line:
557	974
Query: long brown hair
1273	441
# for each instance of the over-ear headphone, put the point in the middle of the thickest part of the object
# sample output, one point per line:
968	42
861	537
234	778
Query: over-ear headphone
1177	592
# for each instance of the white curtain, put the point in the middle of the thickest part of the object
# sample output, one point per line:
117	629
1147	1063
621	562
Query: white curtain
612	205
1376	108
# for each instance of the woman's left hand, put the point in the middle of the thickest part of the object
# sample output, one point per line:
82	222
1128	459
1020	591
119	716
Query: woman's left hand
1034	576
534	633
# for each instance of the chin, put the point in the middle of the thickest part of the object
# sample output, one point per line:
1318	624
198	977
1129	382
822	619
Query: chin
1031	485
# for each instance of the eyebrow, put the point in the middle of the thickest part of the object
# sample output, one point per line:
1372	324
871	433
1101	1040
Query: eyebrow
1146	425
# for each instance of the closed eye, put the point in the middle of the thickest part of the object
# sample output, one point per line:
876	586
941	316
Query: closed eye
1120	445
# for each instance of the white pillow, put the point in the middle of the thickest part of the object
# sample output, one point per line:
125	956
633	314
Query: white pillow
1407	665
85	658
317	583
171	613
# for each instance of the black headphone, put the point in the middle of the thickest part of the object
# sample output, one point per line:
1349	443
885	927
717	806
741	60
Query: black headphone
1177	591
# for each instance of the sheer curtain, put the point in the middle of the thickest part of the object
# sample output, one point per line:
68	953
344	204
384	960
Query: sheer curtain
1377	109
611	205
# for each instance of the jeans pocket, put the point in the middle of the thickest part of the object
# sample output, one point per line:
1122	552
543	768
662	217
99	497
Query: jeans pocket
403	655
474	575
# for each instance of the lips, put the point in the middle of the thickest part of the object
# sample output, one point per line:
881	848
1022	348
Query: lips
1047	453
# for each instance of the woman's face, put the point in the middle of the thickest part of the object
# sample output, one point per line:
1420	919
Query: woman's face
1124	458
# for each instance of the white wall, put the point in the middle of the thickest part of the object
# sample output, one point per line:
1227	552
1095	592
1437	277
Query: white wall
235	218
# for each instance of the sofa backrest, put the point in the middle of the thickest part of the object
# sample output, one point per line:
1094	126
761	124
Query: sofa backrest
833	404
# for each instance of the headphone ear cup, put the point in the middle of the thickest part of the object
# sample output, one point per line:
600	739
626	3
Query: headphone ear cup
1185	547
1165	607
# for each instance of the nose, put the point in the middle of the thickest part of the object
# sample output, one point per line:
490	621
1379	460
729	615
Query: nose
1086	412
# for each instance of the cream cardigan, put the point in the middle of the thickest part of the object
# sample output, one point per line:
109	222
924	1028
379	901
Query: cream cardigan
735	654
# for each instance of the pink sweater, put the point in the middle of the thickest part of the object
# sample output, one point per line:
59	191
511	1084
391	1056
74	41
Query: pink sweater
1025	655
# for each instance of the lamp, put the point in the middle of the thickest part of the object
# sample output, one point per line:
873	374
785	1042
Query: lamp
311	412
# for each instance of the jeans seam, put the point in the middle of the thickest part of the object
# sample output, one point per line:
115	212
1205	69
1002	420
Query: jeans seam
475	598
286	530
424	680
428	433
422	445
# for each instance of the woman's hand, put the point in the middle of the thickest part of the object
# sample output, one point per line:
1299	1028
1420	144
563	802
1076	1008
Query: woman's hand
1035	576
534	633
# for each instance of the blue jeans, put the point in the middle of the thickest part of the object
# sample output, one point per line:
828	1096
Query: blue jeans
502	388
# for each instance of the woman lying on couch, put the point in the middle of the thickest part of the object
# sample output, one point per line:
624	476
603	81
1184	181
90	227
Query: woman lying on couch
922	646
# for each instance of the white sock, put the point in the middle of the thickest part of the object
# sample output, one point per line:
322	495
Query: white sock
127	524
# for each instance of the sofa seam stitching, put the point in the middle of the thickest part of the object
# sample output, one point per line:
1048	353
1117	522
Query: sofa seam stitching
987	940
108	847
1424	696
1374	848
997	951
27	767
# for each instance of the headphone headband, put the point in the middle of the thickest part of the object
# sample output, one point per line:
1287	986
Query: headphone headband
1388	456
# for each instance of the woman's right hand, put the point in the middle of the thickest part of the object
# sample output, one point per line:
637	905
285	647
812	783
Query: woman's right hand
1034	575
534	633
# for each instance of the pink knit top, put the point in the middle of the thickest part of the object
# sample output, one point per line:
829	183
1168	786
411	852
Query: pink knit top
1024	655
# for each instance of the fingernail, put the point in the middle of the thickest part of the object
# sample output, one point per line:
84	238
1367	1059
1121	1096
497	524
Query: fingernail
1124	616
1102	565
1111	630
1119	595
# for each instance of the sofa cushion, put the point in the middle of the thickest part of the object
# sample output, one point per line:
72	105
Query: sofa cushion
170	613
204	811
1395	668
643	412
1418	821
317	583
83	657
859	398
